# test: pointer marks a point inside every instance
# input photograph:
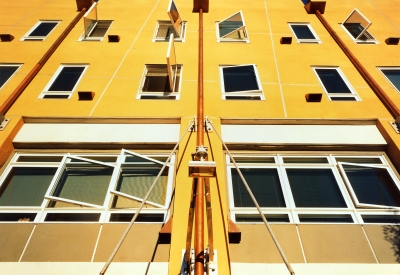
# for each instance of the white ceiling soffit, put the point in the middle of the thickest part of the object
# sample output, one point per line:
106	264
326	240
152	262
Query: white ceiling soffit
303	134
97	133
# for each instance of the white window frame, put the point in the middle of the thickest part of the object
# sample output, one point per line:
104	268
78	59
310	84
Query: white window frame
26	37
371	40
316	39
18	65
67	94
169	24
353	93
104	210
224	39
89	38
353	209
252	93
381	69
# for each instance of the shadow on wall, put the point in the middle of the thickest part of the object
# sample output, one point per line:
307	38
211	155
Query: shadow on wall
392	235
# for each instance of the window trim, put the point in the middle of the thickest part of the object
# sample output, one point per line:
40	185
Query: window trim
316	39
67	94
18	65
353	93
39	38
223	39
365	31
181	38
381	69
83	37
252	93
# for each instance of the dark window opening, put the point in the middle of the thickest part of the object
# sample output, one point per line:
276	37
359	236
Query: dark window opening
43	29
6	72
240	78
332	81
67	79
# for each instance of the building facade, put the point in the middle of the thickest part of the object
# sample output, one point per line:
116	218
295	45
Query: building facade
303	97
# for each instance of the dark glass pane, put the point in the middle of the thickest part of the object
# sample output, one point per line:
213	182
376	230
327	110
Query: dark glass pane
359	160
305	1
315	188
72	217
243	97
55	96
17	217
84	184
332	81
141	217
373	185
302	32
231	24
264	184
67	78
5	73
43	29
393	75
26	186
39	159
343	98
354	29
100	29
381	218
157	97
156	83
137	160
242	78
257	218
306	160
326	218
101	159
255	159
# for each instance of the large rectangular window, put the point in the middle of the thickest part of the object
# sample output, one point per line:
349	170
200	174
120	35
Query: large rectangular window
84	187
64	81
40	31
325	188
335	84
7	71
240	82
392	74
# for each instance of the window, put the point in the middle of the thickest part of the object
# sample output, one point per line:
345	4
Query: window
40	31
85	187
232	29
335	84
7	71
392	74
162	81
356	25
174	26
304	33
315	188
64	81
94	29
240	82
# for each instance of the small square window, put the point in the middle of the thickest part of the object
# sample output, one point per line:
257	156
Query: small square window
304	33
335	84
232	29
64	81
94	29
240	82
356	25
392	74
7	71
40	31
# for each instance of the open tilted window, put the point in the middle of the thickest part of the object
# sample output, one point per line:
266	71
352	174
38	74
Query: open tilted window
304	33
85	187
162	81
40	31
232	29
240	82
94	29
174	26
356	25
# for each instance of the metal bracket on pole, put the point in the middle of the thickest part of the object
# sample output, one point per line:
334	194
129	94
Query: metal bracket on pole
210	267
396	125
3	122
207	126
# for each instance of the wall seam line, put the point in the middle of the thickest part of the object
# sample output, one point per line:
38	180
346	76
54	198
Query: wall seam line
301	244
27	242
370	245
97	243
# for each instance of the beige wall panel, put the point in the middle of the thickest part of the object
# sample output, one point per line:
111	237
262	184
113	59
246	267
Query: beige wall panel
384	241
62	243
257	245
324	243
13	238
140	244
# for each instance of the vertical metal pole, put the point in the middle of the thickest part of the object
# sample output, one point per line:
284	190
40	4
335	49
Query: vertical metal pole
209	220
199	207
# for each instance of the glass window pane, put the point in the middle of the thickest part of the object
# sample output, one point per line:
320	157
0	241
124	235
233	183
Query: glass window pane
17	217
231	24
302	32
355	29
359	160
326	218
66	79
373	185
82	184
264	184
6	72
26	186
315	188
100	29
255	159
343	98
39	158
381	218
257	218
43	29
305	160
242	78
72	217
137	182
127	217
332	81
392	75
